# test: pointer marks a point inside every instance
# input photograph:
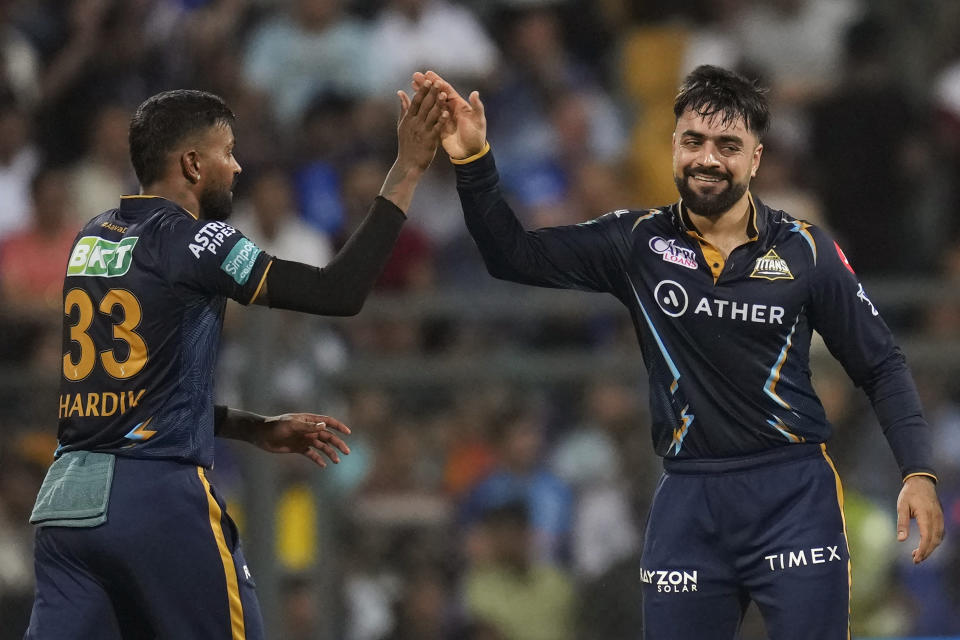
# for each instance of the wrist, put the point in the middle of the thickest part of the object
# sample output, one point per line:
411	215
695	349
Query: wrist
240	425
475	155
920	476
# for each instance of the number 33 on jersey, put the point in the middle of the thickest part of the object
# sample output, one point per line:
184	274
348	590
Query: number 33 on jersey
144	295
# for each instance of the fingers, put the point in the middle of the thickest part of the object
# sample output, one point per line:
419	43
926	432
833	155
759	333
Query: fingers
404	104
315	457
442	85
418	98
335	425
330	439
931	534
903	521
430	102
475	102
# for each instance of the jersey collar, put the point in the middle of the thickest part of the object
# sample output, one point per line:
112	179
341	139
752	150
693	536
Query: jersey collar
686	225
139	203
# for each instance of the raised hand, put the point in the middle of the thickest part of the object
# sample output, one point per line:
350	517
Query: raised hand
464	132
308	434
418	127
418	133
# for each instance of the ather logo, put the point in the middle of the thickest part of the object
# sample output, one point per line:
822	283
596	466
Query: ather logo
670	581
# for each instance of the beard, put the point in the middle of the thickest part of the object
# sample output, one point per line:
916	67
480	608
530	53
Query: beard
710	205
216	204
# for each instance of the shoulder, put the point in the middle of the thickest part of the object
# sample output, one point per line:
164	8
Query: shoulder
786	228
630	219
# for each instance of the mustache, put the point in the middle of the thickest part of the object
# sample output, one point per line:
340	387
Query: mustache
689	173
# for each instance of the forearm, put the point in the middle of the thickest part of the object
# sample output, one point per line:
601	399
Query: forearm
400	184
341	287
568	257
236	424
897	404
495	229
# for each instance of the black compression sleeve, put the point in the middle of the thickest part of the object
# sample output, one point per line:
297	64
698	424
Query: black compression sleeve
341	287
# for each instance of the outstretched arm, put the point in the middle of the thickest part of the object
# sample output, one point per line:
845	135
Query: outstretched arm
341	287
308	434
585	256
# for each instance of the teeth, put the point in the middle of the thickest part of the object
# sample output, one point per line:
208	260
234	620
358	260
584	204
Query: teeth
707	178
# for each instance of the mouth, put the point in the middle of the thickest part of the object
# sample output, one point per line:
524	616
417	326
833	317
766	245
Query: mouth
706	180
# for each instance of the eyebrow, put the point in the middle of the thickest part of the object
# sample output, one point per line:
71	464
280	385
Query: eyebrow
690	133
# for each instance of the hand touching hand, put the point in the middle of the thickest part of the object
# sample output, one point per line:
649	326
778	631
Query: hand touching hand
464	132
308	434
918	500
417	138
418	127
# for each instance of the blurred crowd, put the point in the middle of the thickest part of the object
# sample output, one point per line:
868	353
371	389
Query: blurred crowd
482	511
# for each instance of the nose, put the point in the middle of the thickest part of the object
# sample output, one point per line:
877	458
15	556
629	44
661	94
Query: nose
708	155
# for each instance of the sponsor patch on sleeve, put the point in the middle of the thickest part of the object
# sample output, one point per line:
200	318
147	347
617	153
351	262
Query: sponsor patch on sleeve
239	262
843	258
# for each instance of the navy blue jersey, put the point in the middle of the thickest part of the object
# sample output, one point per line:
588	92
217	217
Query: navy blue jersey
726	342
144	296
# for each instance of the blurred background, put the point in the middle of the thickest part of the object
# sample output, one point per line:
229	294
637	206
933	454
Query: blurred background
502	466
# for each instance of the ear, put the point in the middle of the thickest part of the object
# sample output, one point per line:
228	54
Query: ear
756	160
190	166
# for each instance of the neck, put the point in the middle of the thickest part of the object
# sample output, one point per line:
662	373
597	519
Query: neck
180	194
731	223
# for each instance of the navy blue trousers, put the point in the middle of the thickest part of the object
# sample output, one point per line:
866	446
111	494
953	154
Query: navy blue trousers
166	564
767	528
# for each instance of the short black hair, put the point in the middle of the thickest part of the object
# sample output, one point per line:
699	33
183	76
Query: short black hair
163	120
712	91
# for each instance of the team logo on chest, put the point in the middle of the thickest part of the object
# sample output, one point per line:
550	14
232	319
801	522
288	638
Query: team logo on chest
771	267
674	253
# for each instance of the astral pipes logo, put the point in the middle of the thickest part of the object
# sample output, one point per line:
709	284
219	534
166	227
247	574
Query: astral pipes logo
673	253
670	581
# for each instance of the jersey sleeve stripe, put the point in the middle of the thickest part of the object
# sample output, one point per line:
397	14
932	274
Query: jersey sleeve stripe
237	629
770	388
263	279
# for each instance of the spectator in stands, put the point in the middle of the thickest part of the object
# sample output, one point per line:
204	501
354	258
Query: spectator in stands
33	261
104	169
524	598
869	159
522	475
411	34
19	160
310	49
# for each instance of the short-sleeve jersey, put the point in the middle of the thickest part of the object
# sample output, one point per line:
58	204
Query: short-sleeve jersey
143	301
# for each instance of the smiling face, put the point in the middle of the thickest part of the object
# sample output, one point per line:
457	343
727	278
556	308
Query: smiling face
219	171
713	161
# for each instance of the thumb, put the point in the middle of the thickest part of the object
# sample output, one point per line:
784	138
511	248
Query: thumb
404	104
475	102
903	522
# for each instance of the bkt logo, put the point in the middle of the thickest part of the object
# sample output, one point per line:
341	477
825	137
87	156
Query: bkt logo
670	581
673	253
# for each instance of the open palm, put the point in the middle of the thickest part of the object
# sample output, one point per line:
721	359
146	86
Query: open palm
464	133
